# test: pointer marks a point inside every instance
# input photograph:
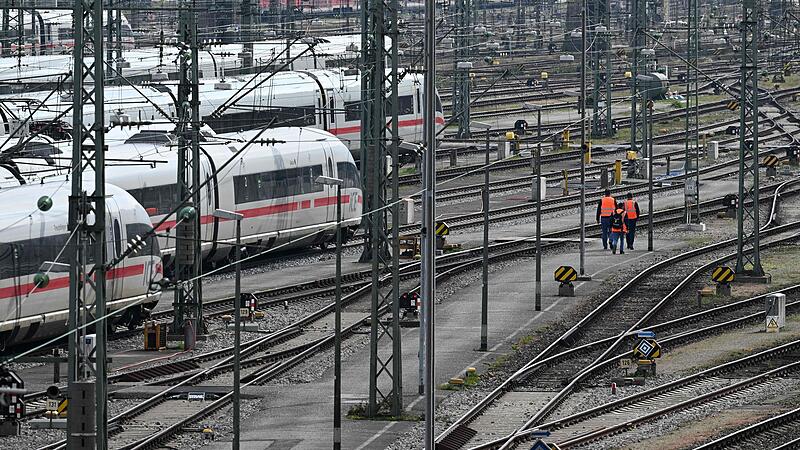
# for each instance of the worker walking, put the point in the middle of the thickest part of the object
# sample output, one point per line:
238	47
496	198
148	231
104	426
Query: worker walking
618	229
631	216
605	209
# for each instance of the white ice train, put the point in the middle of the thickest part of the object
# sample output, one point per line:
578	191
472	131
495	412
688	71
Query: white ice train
33	242
326	99
273	186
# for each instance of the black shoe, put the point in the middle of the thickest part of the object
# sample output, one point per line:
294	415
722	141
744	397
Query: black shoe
614	250
621	252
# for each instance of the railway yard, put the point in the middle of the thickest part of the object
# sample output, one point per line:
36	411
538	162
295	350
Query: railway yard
224	245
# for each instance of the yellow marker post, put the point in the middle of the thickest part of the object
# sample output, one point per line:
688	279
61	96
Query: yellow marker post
588	155
617	172
565	141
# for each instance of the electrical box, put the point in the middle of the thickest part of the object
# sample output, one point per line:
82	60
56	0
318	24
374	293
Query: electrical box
542	189
406	208
712	150
775	309
155	336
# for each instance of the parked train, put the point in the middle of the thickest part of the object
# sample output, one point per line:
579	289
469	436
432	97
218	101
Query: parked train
34	241
273	185
326	99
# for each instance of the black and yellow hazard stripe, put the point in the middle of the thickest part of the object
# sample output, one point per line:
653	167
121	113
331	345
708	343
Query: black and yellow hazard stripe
723	274
770	161
442	229
565	274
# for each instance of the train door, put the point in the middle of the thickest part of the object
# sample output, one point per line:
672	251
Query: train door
114	247
331	110
330	191
207	205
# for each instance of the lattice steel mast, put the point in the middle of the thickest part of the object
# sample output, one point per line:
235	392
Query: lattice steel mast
692	140
188	290
87	223
377	141
462	51
748	260
601	90
639	26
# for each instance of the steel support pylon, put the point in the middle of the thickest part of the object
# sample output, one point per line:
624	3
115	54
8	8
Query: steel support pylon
461	73
748	260
87	222
601	68
13	30
692	140
378	141
639	26
188	263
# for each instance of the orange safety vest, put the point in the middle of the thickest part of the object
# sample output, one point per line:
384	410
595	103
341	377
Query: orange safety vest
624	228
630	208
607	206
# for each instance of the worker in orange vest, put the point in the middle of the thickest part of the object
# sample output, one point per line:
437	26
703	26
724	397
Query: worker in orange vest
605	209
618	229
631	216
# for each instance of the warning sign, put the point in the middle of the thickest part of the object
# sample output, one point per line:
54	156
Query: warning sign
772	324
722	274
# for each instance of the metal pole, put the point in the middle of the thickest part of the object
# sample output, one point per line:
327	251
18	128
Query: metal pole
648	134
538	296
337	361
582	246
485	289
429	215
237	314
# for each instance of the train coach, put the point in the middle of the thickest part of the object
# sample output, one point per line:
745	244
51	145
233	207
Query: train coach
273	185
329	100
34	262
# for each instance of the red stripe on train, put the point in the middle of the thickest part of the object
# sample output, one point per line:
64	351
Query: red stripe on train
63	282
401	123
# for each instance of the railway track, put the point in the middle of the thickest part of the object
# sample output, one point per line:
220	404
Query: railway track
779	431
265	358
590	328
682	395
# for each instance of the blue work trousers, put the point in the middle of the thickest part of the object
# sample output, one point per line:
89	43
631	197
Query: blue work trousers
605	230
618	236
631	235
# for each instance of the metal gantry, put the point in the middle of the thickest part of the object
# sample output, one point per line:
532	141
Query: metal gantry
87	227
601	68
748	260
188	290
461	72
378	141
692	140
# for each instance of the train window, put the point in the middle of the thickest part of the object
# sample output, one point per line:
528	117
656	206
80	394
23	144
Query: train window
439	104
277	184
157	200
39	150
27	256
151	137
65	34
352	111
348	174
405	104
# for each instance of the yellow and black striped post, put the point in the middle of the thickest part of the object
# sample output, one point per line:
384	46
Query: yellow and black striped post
566	275
771	163
723	276
732	105
441	230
